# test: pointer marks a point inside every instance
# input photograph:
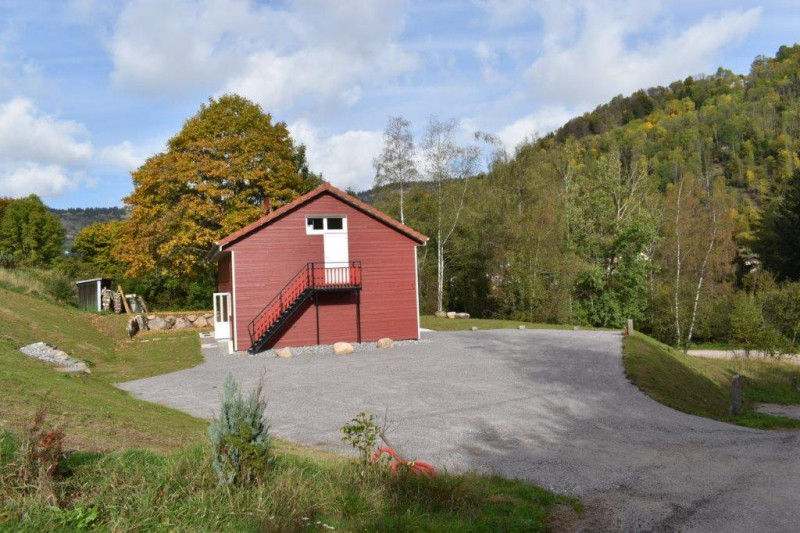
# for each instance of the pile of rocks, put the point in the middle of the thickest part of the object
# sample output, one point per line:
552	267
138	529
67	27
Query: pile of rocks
451	314
51	354
159	323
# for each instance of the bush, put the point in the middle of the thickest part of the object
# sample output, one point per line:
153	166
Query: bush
60	287
362	434
239	437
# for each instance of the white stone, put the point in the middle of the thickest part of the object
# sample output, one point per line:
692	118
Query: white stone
451	314
343	348
385	342
284	353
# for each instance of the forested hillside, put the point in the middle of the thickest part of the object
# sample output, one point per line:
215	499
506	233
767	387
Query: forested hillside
75	219
676	206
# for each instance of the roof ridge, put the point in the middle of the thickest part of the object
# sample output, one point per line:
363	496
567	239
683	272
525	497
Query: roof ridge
299	201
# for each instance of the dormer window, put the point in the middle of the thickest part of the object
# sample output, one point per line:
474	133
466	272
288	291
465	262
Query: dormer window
319	225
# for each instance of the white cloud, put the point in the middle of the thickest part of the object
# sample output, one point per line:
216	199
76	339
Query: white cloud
33	178
345	159
49	156
506	13
594	51
487	58
26	134
534	125
324	51
123	155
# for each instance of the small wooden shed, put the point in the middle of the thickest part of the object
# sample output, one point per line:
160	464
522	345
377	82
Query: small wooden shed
324	268
89	293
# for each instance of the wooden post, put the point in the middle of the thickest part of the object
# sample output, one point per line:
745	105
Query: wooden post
144	305
736	396
124	300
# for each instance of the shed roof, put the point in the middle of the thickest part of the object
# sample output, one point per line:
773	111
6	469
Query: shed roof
79	282
325	188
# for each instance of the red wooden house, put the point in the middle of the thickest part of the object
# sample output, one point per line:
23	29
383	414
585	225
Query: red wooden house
324	268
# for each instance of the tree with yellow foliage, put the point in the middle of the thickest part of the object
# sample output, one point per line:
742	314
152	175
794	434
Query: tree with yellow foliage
214	178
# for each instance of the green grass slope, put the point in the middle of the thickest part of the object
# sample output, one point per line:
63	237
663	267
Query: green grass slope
95	415
702	386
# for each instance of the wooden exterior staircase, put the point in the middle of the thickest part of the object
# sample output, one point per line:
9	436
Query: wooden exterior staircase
312	279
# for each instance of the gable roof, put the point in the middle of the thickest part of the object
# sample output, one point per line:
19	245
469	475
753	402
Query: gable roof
308	197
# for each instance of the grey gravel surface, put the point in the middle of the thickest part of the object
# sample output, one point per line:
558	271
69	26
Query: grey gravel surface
552	407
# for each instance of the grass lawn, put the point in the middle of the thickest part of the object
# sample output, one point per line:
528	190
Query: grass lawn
95	415
134	465
457	324
701	386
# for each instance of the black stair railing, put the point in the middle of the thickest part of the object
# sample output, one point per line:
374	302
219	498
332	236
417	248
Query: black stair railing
312	277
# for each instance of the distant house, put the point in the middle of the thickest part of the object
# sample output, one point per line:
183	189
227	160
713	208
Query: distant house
324	268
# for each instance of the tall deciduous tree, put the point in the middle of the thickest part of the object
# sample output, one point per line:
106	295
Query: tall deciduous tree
217	172
448	166
395	165
97	243
30	233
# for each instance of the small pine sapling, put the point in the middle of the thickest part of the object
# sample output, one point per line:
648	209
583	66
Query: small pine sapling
239	436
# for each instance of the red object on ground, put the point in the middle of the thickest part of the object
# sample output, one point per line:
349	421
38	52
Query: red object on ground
415	467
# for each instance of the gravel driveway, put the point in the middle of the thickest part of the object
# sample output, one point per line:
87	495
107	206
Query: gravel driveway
552	407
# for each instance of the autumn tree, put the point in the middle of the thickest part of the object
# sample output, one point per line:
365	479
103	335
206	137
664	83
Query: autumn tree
97	246
29	233
396	165
215	177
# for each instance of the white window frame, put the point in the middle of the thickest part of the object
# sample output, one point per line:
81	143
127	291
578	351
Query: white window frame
324	230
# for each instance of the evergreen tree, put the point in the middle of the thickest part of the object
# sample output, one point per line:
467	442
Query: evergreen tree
778	235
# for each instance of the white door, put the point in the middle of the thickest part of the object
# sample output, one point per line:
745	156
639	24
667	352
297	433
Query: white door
337	258
222	315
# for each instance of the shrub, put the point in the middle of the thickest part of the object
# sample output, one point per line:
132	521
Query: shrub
362	434
239	436
60	288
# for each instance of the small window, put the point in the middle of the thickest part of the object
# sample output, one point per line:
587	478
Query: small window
315	224
335	223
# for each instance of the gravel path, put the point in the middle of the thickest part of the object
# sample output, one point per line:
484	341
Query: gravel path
552	407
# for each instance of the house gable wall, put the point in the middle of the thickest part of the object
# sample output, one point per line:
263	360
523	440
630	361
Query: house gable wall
269	257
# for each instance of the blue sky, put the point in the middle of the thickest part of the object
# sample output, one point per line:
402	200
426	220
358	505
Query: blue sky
89	89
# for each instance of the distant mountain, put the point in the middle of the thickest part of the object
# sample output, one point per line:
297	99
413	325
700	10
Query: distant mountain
75	219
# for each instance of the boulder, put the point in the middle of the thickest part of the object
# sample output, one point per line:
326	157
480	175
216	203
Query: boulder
157	323
141	320
474	328
343	348
132	327
170	322
191	318
284	353
201	322
451	314
462	315
151	317
521	327
385	342
181	323
209	317
440	314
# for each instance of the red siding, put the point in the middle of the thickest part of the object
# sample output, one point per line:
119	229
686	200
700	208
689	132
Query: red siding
267	259
224	281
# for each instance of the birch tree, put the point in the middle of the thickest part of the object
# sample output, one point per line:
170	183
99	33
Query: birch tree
448	167
396	165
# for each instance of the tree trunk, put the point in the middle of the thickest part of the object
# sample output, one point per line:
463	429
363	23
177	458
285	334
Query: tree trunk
676	294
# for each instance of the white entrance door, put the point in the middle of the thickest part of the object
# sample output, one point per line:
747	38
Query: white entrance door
222	315
337	258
